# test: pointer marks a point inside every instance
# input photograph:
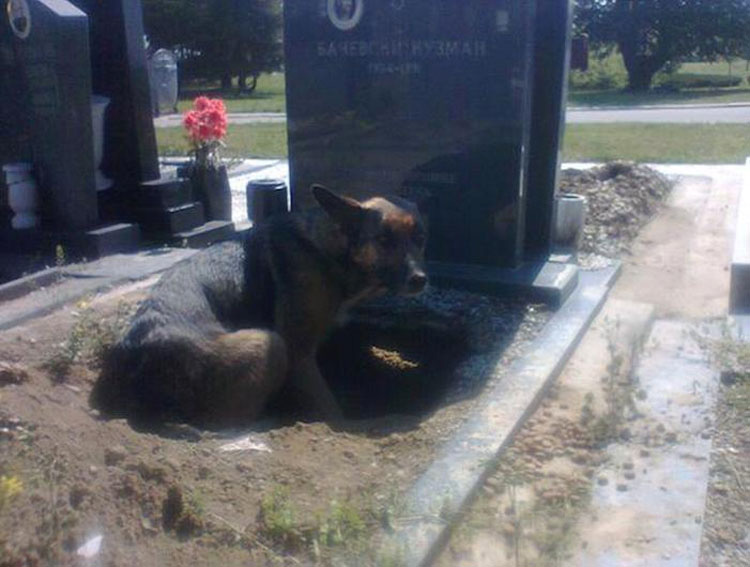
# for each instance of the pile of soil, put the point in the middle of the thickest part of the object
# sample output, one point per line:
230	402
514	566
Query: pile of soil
621	197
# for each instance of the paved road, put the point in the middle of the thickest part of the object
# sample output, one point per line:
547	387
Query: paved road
728	114
736	114
171	120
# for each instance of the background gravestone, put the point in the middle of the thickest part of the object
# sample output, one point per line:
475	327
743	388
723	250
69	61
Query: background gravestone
120	72
46	83
162	69
423	98
140	194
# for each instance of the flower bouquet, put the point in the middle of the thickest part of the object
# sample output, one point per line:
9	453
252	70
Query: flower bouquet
206	126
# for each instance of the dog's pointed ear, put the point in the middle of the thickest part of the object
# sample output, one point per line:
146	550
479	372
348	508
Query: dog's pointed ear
345	211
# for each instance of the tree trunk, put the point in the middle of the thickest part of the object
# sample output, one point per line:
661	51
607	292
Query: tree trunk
640	77
641	68
226	82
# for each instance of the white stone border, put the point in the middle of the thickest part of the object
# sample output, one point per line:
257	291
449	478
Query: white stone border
739	292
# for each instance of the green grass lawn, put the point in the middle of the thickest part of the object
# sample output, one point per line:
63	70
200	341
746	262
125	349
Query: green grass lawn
243	141
604	83
268	96
696	96
739	67
658	143
654	143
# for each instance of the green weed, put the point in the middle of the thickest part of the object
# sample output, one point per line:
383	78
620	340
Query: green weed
89	339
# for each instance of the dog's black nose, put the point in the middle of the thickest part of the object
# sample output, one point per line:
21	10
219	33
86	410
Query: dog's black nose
416	282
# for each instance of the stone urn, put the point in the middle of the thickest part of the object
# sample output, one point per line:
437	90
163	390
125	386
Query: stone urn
570	216
23	195
266	197
99	106
211	187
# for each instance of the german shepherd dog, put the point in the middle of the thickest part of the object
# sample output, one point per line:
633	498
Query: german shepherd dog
222	332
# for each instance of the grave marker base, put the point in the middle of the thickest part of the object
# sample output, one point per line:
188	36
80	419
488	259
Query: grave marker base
550	282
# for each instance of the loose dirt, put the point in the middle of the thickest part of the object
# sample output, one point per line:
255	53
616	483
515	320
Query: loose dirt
621	197
286	492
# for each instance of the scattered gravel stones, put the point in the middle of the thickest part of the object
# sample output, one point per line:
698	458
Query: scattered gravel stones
487	325
621	198
114	455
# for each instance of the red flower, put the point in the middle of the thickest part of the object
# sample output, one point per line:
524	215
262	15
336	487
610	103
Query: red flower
206	125
207	121
204	132
202	103
190	119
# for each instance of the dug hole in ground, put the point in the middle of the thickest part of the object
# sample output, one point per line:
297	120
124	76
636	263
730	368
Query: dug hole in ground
290	492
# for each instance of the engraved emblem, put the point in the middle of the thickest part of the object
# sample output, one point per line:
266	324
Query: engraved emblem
345	14
19	17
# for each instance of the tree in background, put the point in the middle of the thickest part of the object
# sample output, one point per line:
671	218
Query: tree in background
218	39
656	34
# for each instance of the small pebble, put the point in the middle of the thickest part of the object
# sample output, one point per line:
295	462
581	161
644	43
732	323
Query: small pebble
622	487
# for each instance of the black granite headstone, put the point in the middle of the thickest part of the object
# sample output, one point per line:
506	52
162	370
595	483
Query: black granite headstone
551	64
429	99
50	97
120	72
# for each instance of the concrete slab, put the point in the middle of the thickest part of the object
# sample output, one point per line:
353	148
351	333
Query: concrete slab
464	463
654	518
680	260
78	280
739	295
549	282
620	325
740	326
25	285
